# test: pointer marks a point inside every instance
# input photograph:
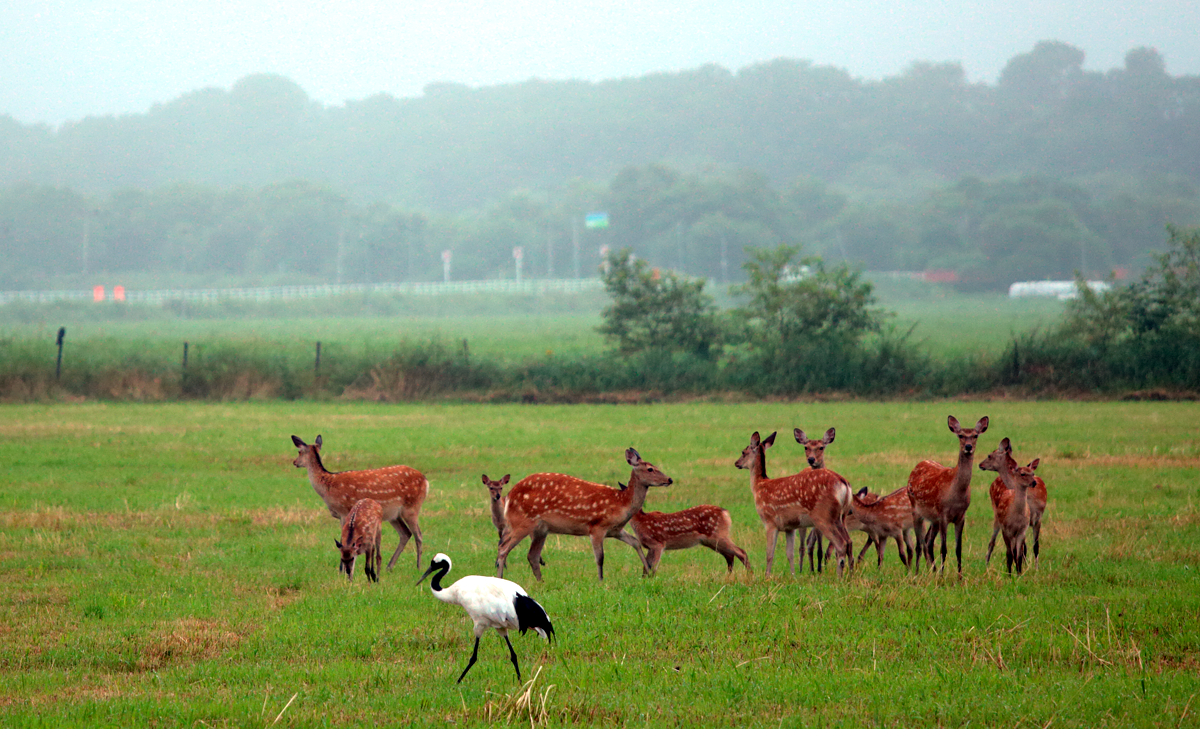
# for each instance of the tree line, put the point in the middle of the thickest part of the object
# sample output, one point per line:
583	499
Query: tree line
1050	170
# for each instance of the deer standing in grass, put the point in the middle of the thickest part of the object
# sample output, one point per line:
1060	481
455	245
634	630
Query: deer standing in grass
705	525
400	491
553	503
816	497
497	501
361	535
941	495
883	518
814	453
1016	503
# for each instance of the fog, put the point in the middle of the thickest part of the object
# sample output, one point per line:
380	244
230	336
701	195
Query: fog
66	60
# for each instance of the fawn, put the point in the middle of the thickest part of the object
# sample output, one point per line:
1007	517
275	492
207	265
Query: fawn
700	525
361	535
1012	508
1000	496
497	501
883	518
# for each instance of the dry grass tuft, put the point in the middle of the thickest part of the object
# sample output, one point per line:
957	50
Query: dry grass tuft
186	640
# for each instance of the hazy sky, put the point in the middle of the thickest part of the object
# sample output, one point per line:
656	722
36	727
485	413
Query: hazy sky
65	60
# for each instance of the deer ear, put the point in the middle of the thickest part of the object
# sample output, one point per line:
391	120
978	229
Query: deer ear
770	440
800	437
862	491
338	544
754	439
318	442
954	426
1005	445
505	479
632	457
297	442
485	479
1034	464
982	424
830	435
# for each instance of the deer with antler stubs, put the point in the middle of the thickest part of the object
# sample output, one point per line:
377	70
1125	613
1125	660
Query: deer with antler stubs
941	495
553	503
705	525
816	497
1013	505
361	535
814	453
400	491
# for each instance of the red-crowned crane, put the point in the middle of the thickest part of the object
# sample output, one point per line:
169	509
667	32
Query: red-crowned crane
491	602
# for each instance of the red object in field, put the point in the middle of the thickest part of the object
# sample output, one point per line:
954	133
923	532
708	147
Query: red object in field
941	275
98	293
118	293
1120	273
656	274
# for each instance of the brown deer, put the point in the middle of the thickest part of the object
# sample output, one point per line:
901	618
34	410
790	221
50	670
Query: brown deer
700	525
400	491
814	453
497	500
361	535
1016	505
553	503
941	495
816	497
883	518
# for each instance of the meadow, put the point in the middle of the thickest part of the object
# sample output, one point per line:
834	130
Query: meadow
165	564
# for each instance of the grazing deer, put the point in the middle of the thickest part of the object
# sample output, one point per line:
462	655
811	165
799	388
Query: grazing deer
941	495
883	518
552	503
361	535
497	500
816	497
705	524
814	453
1016	505
400	491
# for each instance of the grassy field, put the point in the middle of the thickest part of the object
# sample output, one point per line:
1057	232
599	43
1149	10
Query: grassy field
166	565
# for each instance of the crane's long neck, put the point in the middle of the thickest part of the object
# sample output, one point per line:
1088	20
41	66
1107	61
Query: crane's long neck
436	582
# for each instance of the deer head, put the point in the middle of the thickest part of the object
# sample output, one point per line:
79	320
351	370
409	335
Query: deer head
967	437
814	450
997	458
309	454
754	451
496	488
645	472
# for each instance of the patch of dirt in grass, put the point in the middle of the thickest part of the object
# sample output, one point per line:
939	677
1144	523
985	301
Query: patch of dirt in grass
186	640
286	515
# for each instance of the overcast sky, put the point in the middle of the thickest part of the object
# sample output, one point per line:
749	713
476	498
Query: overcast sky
64	60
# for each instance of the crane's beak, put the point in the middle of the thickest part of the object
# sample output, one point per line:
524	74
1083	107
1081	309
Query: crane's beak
427	573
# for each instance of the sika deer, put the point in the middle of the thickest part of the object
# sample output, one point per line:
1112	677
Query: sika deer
400	491
883	518
1014	503
361	535
941	495
552	503
814	453
496	491
705	524
817	497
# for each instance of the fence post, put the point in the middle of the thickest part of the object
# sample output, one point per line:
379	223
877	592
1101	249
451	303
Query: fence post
317	364
185	348
62	332
466	352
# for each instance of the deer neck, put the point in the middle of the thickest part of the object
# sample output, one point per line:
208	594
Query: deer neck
758	470
319	477
634	495
962	472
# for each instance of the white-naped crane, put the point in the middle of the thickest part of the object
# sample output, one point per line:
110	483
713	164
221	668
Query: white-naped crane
491	602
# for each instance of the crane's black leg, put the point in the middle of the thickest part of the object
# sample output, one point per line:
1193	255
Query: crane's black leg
513	655
474	655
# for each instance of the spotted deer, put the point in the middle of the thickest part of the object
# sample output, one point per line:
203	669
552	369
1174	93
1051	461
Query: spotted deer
361	535
705	525
813	498
814	453
941	495
553	503
497	501
883	518
1017	506
400	491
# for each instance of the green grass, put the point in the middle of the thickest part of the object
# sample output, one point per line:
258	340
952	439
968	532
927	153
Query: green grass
166	564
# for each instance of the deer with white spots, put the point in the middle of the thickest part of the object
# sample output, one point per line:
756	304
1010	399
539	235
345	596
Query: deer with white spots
705	525
814	453
400	491
361	535
813	498
553	503
883	518
941	495
1016	504
497	500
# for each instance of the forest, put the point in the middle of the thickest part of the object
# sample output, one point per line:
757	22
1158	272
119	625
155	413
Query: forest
1051	170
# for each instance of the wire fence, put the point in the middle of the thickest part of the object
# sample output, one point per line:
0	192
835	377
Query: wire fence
536	287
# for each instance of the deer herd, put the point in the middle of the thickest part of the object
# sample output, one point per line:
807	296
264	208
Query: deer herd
914	515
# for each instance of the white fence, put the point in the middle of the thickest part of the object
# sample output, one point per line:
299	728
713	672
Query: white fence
536	287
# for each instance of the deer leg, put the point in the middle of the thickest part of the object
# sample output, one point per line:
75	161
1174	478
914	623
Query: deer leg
992	542
405	534
944	532
900	550
772	538
1037	541
598	553
632	541
790	544
512	538
729	550
534	557
958	535
654	553
880	545
919	529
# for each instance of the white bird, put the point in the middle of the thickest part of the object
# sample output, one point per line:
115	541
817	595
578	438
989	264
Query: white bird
492	603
